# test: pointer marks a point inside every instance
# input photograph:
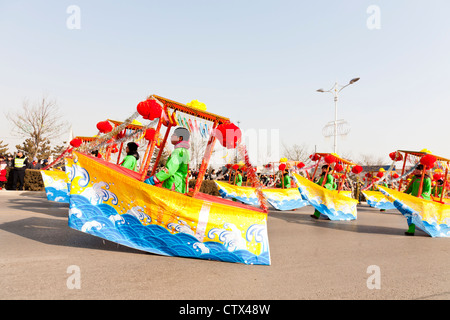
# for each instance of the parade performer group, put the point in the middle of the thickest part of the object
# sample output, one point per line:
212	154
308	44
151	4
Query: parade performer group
175	217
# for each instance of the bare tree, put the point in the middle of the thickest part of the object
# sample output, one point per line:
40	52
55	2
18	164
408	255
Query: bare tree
38	122
3	147
198	149
296	152
370	160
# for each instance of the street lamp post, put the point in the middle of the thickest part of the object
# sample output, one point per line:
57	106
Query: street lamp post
335	90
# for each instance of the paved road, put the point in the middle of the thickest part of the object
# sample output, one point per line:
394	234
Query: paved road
310	260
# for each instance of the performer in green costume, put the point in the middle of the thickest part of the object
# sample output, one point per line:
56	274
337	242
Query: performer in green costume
329	184
174	175
413	189
130	161
238	178
286	180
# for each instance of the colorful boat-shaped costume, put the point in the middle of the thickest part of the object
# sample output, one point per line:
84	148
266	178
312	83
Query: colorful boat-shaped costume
109	202
378	200
280	199
421	210
330	203
56	186
327	195
427	215
113	203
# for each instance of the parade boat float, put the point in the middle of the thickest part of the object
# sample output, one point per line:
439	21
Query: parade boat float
285	197
113	203
55	181
331	202
375	198
430	215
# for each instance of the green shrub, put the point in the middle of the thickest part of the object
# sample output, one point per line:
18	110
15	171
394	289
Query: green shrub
207	187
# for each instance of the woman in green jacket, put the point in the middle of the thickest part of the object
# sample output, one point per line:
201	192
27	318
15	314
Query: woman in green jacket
130	161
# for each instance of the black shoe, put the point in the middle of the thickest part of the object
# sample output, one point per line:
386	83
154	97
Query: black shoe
314	216
409	234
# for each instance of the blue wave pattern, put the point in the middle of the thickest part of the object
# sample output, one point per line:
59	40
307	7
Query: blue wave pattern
381	205
290	204
250	201
412	216
56	195
103	221
330	213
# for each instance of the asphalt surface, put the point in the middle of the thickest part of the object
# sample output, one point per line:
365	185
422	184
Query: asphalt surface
310	260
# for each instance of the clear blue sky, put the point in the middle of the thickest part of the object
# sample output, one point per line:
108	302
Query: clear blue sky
259	62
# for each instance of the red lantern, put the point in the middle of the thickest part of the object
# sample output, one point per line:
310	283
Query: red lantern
428	161
314	157
149	109
150	134
330	159
235	166
395	176
338	168
104	127
300	165
437	176
76	143
357	169
228	166
228	134
282	166
380	174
